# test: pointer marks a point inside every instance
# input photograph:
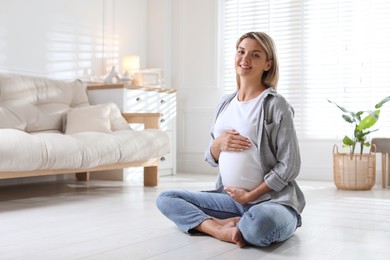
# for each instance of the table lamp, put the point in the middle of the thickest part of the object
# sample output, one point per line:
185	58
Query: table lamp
130	64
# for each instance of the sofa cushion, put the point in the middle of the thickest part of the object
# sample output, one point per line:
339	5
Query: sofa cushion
90	118
10	119
99	118
117	121
34	104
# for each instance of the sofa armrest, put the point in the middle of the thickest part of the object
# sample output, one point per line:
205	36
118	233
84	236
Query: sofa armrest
150	120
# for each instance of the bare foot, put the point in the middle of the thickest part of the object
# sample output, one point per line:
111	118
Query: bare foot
237	237
231	234
223	229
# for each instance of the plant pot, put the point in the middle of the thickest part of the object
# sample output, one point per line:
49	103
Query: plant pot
354	172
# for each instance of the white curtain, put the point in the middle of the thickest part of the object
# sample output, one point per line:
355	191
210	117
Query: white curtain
327	49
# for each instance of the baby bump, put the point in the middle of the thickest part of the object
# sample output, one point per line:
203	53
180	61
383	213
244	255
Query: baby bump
240	169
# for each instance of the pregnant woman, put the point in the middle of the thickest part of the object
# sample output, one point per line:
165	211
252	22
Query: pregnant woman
253	142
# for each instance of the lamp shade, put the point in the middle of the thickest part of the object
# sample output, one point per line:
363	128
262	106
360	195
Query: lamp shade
130	63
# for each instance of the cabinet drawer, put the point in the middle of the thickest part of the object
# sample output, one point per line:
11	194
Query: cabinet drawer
166	161
141	101
166	123
150	101
168	110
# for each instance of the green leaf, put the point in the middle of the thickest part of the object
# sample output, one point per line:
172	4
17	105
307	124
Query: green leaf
362	135
358	114
341	108
369	120
383	101
347	141
348	118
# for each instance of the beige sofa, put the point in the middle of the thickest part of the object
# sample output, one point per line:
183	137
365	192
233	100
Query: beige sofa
48	127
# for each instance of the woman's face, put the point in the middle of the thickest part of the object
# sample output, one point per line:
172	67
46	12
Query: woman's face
251	59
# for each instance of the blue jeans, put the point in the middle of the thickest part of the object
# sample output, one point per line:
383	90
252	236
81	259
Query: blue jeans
260	224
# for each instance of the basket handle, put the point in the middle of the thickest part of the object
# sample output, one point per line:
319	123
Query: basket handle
335	149
373	148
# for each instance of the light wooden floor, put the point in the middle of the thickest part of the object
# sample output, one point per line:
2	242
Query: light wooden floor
115	220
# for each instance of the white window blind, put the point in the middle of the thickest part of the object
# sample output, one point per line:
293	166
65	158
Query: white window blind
331	49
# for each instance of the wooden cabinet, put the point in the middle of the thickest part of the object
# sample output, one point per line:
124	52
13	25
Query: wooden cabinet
143	99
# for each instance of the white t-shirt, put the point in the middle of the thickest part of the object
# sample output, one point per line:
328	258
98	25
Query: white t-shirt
240	169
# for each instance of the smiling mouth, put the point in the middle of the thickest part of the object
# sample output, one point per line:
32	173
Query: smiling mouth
243	66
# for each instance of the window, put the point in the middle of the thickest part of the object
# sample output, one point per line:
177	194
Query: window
333	49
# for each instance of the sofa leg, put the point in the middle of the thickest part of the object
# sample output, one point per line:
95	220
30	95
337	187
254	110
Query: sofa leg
82	176
151	175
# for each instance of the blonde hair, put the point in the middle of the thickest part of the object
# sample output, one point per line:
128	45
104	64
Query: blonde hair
269	78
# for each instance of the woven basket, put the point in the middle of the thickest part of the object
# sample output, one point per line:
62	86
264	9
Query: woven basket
354	172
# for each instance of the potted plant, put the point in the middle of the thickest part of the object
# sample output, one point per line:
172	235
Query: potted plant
356	171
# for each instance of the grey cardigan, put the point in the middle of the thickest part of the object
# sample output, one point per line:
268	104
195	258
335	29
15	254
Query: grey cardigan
278	150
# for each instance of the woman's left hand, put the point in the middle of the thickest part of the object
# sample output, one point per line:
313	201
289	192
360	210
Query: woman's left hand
240	195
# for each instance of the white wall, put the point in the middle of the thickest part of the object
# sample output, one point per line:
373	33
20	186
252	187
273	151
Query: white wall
69	38
195	38
182	39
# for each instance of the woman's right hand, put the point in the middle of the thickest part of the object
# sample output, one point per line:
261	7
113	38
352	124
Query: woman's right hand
231	141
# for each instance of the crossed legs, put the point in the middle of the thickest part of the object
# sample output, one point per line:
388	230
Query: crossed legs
218	215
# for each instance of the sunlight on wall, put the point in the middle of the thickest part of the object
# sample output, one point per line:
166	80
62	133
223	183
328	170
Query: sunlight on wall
62	42
81	50
72	49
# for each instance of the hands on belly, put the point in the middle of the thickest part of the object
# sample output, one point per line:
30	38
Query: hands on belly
240	195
